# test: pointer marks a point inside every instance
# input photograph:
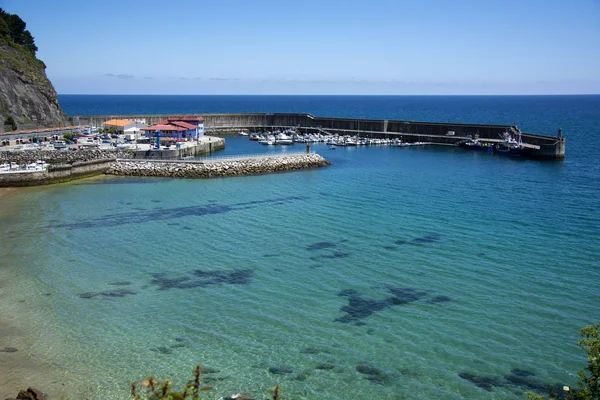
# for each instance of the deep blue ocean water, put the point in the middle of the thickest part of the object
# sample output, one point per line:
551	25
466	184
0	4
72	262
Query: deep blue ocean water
420	266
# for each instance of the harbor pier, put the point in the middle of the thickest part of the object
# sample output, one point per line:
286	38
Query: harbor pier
446	133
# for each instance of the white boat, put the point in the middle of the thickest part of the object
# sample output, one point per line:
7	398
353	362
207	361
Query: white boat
242	133
269	140
350	141
31	167
283	138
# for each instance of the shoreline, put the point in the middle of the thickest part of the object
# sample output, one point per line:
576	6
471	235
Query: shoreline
7	191
23	322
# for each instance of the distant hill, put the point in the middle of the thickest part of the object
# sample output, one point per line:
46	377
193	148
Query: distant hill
27	97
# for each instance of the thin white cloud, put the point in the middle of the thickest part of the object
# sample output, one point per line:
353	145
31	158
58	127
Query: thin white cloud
120	76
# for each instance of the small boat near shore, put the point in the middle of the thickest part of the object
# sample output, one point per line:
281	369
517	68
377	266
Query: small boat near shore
10	168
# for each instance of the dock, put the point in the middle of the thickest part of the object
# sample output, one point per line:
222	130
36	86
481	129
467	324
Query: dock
443	133
448	133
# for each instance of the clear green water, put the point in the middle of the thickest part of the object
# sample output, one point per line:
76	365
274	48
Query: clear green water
508	274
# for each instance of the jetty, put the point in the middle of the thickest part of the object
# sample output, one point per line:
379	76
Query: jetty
213	168
86	163
442	133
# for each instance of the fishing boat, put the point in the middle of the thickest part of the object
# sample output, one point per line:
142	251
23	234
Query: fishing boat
511	146
477	144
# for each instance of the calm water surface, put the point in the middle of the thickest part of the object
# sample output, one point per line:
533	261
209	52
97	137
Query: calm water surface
394	273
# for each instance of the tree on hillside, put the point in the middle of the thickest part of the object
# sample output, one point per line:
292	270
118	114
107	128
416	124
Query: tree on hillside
4	31
16	30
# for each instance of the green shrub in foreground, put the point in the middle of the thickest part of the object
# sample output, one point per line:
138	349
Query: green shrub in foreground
152	389
589	381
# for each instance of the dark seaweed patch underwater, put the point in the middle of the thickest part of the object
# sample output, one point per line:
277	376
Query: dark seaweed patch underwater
517	379
426	239
172	213
110	293
375	375
194	279
334	255
201	278
360	307
320	245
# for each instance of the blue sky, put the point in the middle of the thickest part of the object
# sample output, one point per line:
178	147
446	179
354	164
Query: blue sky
317	47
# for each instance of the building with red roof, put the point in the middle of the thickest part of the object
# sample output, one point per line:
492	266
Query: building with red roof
177	128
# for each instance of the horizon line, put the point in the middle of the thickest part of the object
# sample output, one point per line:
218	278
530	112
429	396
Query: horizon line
323	94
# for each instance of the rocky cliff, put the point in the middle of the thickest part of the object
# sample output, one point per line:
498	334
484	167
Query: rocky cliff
26	94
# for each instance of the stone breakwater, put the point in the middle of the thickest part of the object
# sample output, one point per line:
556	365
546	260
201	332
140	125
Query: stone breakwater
217	168
61	157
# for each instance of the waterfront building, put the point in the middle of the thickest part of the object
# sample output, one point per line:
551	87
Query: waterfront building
126	126
177	128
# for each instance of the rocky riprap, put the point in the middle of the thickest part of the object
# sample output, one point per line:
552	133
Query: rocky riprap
61	157
208	169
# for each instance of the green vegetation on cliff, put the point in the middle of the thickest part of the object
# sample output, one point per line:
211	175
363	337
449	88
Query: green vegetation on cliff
14	35
13	27
27	99
20	58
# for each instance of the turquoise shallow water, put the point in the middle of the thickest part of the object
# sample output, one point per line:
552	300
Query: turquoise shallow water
420	266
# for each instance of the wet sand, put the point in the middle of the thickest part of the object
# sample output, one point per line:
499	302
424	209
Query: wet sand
19	367
7	191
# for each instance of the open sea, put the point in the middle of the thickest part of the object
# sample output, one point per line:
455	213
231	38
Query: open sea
395	273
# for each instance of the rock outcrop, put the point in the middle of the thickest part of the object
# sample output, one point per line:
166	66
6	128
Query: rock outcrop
30	394
27	96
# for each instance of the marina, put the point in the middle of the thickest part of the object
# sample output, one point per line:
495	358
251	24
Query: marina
352	131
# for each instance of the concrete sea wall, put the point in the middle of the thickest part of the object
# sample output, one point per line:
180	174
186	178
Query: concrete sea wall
217	168
207	146
57	173
552	147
